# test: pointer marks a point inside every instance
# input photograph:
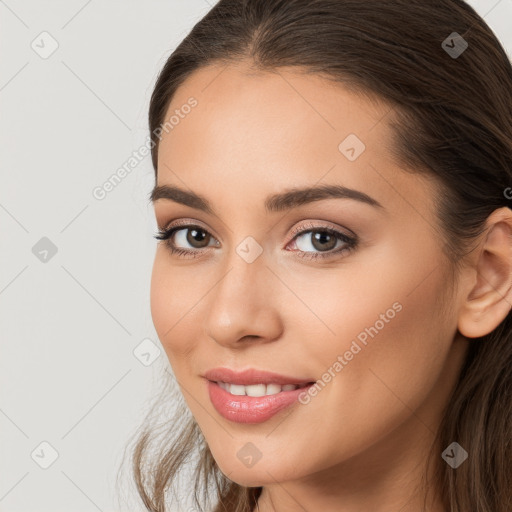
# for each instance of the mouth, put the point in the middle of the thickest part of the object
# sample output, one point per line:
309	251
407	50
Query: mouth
252	377
256	402
259	389
253	395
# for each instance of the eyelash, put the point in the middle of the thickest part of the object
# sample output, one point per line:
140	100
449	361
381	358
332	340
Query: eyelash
351	242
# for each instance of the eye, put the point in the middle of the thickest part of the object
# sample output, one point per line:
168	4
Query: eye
194	235
177	238
189	240
327	241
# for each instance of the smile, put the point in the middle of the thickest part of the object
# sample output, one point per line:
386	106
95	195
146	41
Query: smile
253	403
257	390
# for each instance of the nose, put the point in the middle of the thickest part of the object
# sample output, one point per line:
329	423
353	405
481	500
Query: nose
244	305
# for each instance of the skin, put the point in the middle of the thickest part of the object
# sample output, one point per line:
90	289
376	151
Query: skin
362	442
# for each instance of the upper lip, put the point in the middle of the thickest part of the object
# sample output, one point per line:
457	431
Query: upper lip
252	376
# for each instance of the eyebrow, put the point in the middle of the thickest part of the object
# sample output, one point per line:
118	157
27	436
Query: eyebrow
274	203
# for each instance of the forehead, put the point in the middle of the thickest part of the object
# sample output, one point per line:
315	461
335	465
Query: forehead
281	129
236	102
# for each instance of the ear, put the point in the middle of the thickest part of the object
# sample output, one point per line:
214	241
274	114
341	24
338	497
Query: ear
489	299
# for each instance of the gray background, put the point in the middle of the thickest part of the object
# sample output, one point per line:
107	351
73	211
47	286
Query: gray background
70	323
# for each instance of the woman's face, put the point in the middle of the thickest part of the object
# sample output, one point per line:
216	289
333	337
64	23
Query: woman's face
262	284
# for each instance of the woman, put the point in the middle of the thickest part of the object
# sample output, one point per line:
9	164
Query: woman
334	279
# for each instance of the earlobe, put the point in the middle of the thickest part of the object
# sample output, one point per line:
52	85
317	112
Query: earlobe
489	300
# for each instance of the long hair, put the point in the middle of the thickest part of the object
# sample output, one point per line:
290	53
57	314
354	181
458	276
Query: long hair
451	118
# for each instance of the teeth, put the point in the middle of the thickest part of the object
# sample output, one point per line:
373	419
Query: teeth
256	389
236	389
273	389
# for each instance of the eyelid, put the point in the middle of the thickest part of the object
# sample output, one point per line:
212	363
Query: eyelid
310	226
187	223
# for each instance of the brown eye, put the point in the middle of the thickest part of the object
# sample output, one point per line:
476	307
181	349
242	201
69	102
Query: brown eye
186	239
322	240
197	238
319	240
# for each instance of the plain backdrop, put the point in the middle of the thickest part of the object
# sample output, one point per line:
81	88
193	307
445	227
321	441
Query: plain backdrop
79	355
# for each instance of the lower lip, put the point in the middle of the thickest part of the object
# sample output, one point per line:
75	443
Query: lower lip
251	409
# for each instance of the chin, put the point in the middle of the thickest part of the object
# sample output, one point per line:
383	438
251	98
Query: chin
262	473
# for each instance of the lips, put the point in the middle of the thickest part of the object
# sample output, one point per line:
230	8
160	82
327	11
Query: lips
250	409
253	376
252	396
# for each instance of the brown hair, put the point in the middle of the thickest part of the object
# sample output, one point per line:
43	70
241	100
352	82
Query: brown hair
451	119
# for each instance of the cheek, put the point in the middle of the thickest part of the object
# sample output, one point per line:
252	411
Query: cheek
172	297
387	301
379	338
376	306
